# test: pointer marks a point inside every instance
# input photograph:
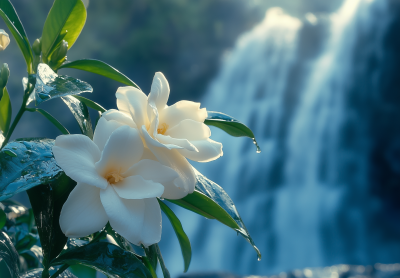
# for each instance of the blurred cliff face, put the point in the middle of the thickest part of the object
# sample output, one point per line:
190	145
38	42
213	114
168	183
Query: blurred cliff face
183	39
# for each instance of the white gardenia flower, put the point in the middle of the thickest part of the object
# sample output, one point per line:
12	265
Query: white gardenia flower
4	40
172	133
114	184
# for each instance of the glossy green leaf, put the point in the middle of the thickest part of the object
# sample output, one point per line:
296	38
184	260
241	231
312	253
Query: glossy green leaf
48	116
91	104
47	201
11	19
66	18
120	240
26	163
161	260
218	194
230	125
151	255
33	256
3	218
180	233
49	85
5	112
81	114
37	273
101	68
106	258
9	254
27	242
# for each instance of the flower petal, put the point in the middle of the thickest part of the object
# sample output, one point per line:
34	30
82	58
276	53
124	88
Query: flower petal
83	214
190	130
176	142
136	187
134	102
209	150
125	216
152	170
119	116
76	154
174	114
151	141
103	131
174	160
159	92
152	224
123	149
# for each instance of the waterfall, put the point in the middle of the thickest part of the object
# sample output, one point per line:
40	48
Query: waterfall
320	94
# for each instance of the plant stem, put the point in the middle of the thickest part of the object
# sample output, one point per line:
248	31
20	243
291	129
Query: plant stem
21	111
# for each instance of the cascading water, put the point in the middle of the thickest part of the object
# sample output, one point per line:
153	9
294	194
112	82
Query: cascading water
321	97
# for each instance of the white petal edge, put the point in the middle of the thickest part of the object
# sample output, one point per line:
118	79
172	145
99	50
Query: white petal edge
76	155
151	141
190	130
135	187
159	91
152	224
119	116
103	131
174	114
133	101
152	170
209	150
125	216
83	214
123	149
170	141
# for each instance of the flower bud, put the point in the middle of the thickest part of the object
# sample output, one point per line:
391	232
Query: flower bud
37	47
4	40
4	74
60	53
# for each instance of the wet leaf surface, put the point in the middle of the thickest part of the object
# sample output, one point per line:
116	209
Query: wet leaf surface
230	125
183	239
9	254
37	273
81	114
106	258
49	85
26	163
218	194
47	201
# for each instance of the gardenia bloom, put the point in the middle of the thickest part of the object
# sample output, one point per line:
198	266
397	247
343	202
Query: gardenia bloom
4	40
114	184
172	133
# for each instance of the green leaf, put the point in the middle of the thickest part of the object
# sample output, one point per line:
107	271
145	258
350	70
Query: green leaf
5	112
48	116
151	255
218	194
81	114
49	85
101	68
26	163
10	17
47	201
66	18
37	273
26	243
161	260
230	125
91	104
105	257
3	218
8	254
120	240
180	233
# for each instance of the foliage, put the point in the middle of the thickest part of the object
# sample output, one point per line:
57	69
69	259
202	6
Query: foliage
32	242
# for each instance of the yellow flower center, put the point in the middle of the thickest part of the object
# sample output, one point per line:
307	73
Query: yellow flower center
114	177
162	128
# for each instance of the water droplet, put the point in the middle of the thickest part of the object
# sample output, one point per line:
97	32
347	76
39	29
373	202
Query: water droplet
257	146
10	153
258	259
